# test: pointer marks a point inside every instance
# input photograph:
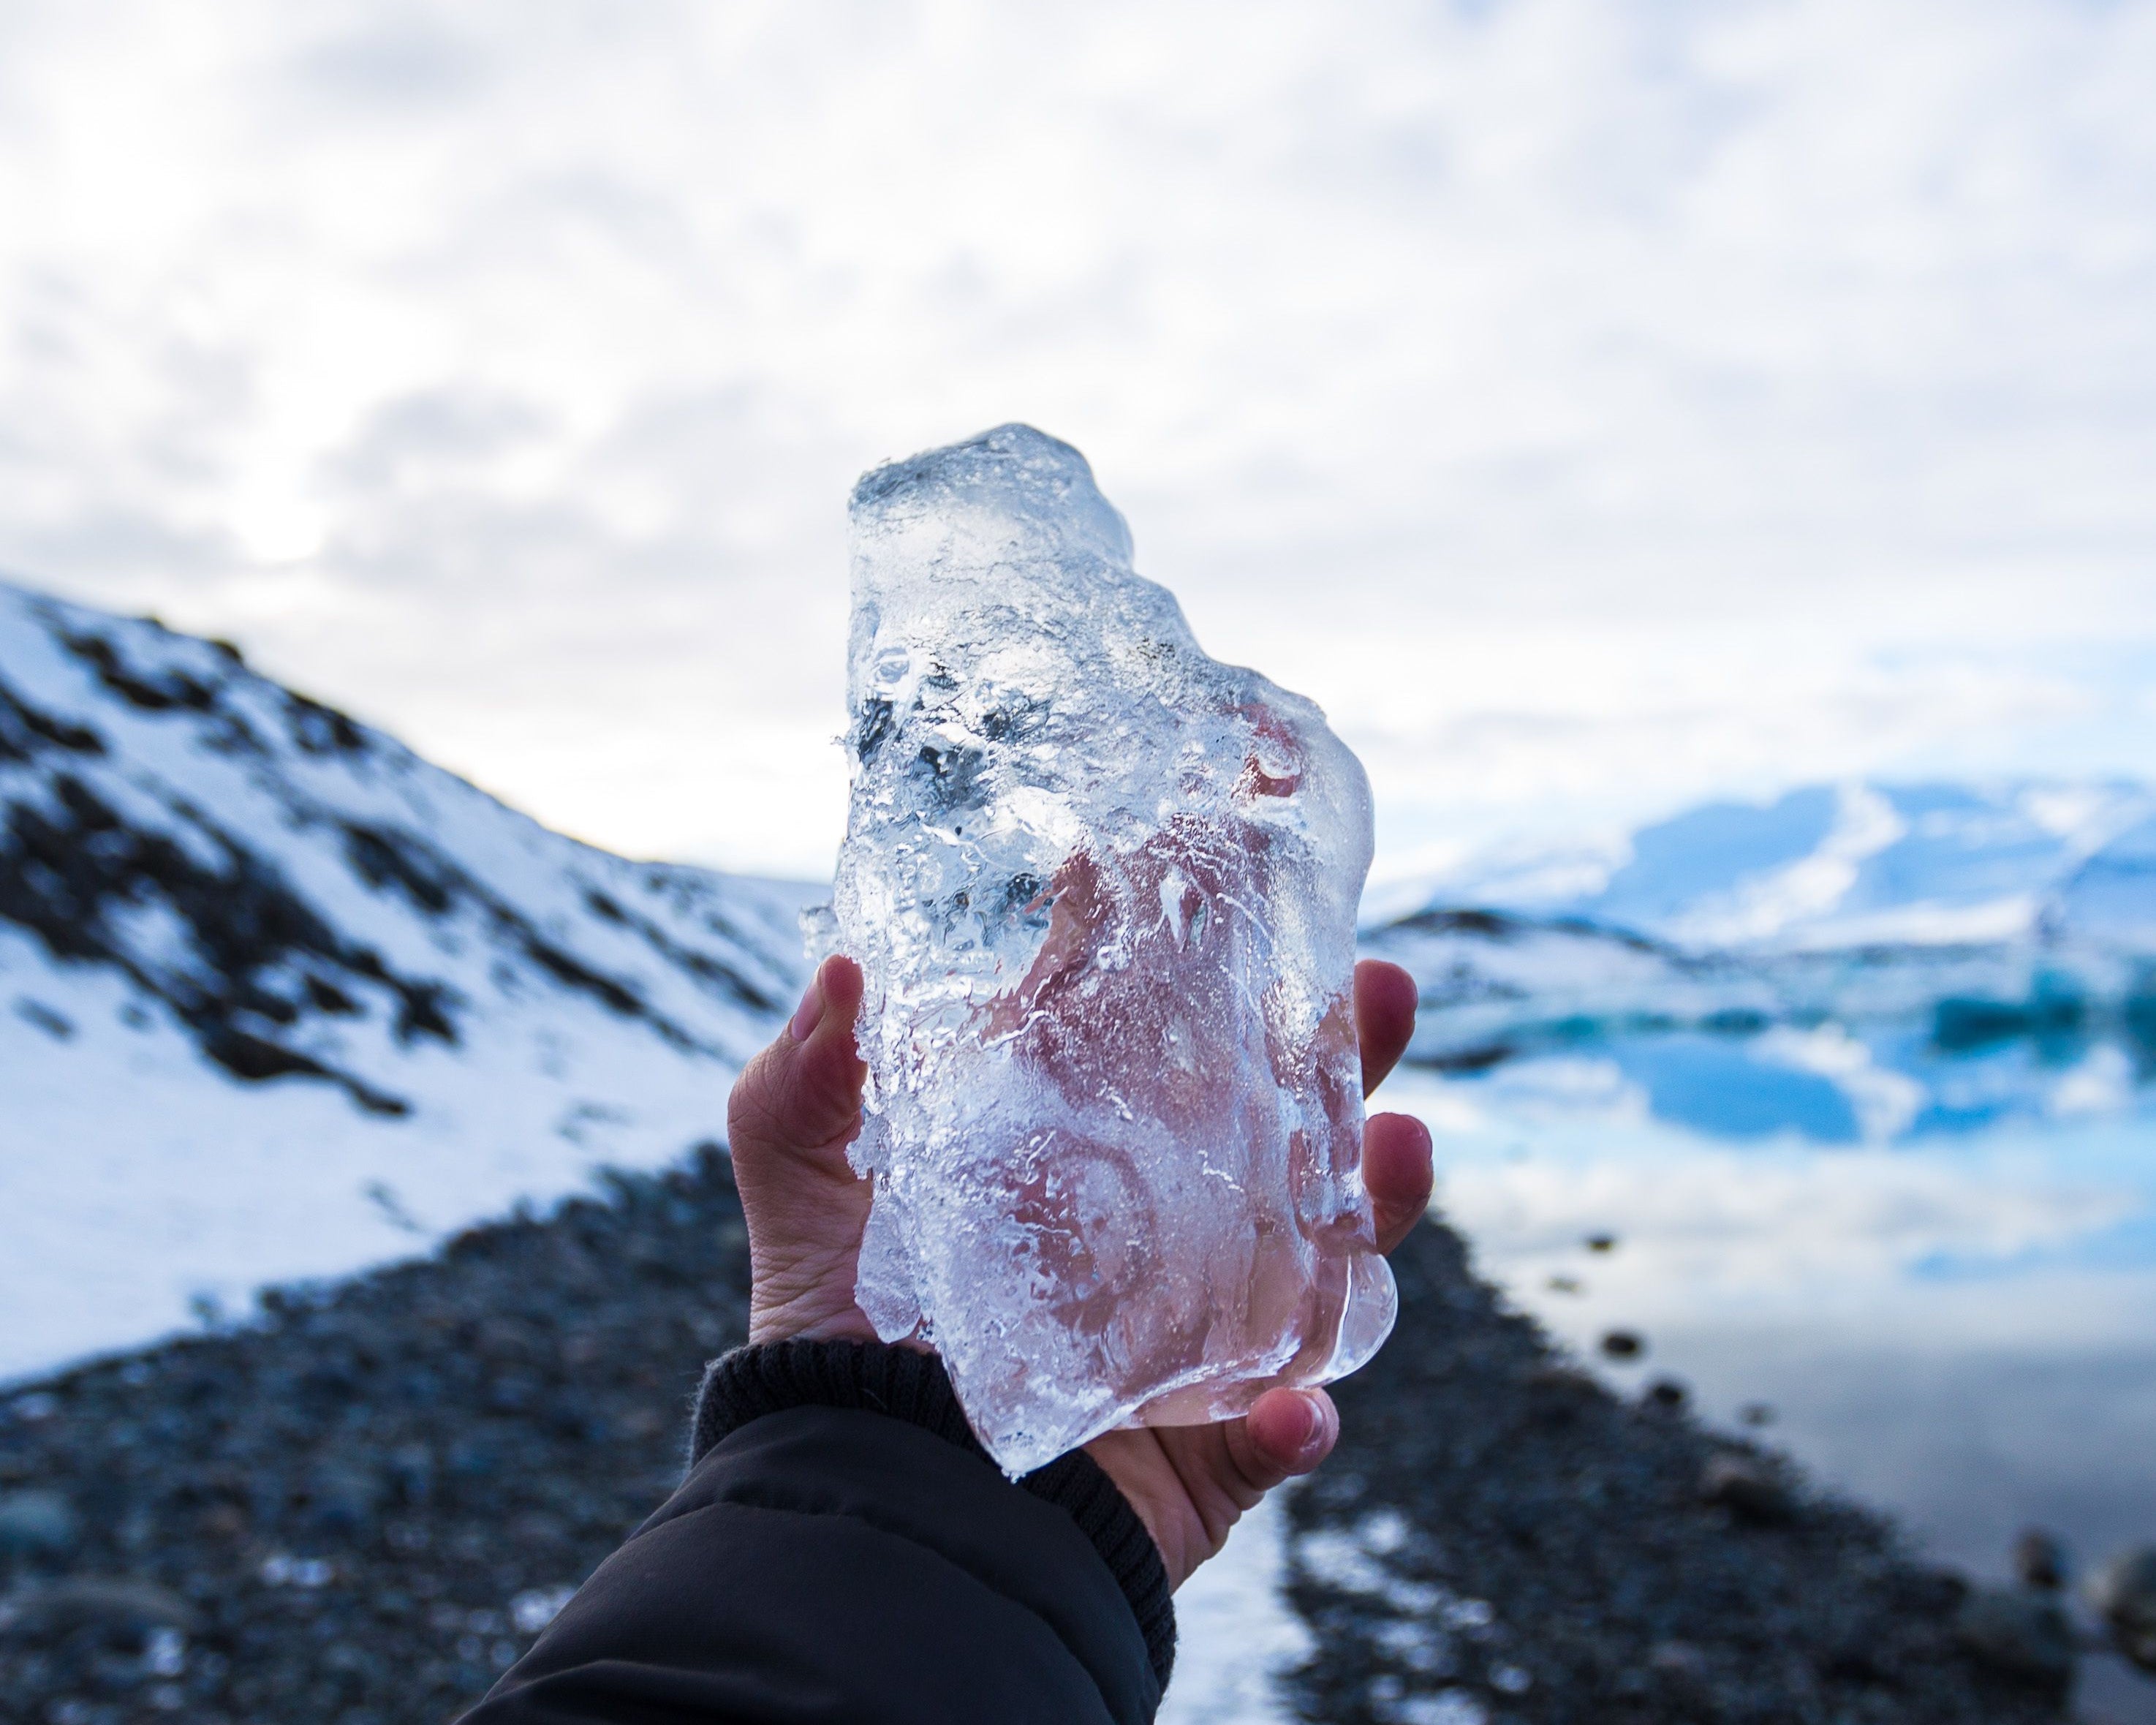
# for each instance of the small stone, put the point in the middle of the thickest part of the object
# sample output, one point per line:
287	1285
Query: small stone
2124	1591
411	1473
1748	1489
2021	1632
1679	1658
1667	1394
1850	1651
224	1520
1511	1679
1558	1393
1680	1673
1602	1242
35	1406
341	1502
2040	1559
36	1524
125	1609
1623	1344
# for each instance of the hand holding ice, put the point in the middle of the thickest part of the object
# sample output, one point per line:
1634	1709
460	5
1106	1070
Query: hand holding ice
1102	890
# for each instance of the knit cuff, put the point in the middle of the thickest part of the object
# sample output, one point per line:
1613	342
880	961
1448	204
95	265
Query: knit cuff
908	1384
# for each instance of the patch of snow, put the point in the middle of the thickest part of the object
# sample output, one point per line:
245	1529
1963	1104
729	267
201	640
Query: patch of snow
1767	905
1235	1631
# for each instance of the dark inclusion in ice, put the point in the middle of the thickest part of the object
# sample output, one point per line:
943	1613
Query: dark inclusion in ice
1103	891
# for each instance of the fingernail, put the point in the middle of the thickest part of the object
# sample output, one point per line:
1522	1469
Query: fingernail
810	1012
1313	1427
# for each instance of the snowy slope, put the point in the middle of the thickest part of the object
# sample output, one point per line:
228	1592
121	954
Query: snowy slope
2110	901
1825	867
277	999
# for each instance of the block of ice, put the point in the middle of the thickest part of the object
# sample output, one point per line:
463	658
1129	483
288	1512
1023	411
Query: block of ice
1102	890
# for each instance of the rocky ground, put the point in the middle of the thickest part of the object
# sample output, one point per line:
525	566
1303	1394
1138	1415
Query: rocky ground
362	1504
361	1507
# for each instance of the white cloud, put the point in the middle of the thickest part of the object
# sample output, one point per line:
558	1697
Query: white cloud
1595	406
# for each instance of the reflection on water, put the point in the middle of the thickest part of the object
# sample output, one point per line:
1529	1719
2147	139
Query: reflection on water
1936	1265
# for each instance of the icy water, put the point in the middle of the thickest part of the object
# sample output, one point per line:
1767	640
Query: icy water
1955	1321
1934	1283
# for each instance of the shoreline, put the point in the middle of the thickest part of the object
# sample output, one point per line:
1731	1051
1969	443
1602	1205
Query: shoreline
364	1502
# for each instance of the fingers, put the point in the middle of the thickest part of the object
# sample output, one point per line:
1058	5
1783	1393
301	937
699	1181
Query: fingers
804	1092
1287	1432
1384	1017
831	1003
1396	1173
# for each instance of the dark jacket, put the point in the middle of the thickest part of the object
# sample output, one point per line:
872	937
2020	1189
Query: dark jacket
844	1551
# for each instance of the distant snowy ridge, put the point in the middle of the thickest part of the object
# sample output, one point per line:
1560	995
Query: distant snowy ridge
1981	911
1829	866
279	998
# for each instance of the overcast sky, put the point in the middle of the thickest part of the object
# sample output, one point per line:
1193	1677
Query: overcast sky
1594	405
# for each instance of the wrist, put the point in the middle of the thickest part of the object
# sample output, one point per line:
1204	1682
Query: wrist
808	1319
804	1295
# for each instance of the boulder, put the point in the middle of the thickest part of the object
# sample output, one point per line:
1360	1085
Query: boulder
2124	1591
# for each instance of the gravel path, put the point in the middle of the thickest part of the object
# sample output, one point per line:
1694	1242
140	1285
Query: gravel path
360	1507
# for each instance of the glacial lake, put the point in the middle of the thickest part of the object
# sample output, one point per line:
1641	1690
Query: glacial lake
1930	1281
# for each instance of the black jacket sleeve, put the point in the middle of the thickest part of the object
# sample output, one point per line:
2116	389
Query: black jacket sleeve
842	1551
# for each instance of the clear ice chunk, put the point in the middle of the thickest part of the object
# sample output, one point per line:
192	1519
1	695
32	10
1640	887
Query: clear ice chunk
1103	891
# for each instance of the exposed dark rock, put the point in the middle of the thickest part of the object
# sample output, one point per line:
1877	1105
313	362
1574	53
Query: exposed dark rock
2040	1560
1749	1488
75	874
57	1025
120	1607
25	731
36	1524
2022	1632
321	730
287	890
2124	1590
154	690
1667	1394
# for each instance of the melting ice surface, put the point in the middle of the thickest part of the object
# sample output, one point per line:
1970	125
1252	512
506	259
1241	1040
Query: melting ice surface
1103	891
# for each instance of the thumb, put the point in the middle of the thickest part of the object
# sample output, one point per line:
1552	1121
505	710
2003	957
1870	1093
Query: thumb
1287	1432
804	1092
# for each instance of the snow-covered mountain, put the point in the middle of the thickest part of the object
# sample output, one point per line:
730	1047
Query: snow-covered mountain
277	999
1960	951
1829	866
